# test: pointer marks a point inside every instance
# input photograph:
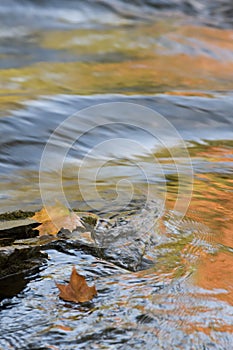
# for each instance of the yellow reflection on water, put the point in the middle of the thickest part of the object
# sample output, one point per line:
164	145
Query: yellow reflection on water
158	57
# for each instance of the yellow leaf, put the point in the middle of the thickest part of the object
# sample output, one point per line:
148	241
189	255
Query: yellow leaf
54	218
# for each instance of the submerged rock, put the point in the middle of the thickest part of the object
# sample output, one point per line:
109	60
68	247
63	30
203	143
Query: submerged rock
129	241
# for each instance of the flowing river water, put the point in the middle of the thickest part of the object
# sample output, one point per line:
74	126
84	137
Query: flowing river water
58	58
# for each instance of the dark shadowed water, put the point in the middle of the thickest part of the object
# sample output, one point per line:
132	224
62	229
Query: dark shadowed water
174	57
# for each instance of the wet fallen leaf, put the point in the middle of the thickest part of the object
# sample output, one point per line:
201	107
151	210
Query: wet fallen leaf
77	290
56	217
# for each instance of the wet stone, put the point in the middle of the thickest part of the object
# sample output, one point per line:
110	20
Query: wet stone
129	240
17	259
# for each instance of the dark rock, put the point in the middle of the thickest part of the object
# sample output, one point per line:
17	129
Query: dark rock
20	231
16	259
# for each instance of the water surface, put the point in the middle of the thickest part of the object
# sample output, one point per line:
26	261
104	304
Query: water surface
175	58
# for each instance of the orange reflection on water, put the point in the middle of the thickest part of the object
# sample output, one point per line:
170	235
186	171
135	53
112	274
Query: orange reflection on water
212	203
195	327
216	272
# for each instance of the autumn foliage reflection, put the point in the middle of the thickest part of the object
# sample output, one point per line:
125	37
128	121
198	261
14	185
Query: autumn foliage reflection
212	203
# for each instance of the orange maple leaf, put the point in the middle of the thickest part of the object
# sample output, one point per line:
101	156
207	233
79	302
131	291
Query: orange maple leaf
54	218
77	290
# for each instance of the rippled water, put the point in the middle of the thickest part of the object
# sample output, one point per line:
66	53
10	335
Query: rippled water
176	59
